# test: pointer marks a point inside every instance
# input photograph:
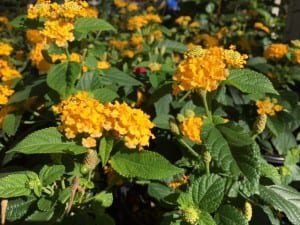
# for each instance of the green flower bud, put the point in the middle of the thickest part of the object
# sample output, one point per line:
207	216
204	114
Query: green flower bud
91	159
207	157
260	124
174	128
191	215
180	118
189	113
248	210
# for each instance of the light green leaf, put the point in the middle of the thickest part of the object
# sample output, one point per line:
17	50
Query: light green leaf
207	192
249	81
62	77
103	199
46	141
173	46
117	76
44	204
105	148
11	123
206	219
105	95
229	215
144	165
87	24
15	184
49	174
283	198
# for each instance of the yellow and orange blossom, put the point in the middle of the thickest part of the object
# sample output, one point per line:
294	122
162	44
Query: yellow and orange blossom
261	26
5	49
268	107
5	92
276	51
103	65
296	56
191	128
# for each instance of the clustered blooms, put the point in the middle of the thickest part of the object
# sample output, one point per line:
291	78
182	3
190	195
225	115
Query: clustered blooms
5	92
261	26
8	72
268	107
205	68
177	183
5	49
183	20
191	128
103	65
121	4
276	51
154	67
138	22
83	115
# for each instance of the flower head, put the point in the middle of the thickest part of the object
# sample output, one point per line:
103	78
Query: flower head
261	26
103	65
5	92
183	20
34	36
296	56
234	58
5	49
268	107
191	128
276	51
154	67
7	72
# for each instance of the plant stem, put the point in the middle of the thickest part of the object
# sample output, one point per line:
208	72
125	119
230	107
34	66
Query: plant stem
207	168
190	150
204	98
184	97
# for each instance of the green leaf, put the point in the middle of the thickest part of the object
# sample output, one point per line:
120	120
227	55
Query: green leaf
117	76
87	24
49	174
144	165
89	81
15	185
159	191
44	204
249	81
39	216
105	95
206	219
283	198
207	192
173	46
162	106
18	208
162	121
46	141
235	134
103	199
219	149
229	215
62	77
105	148
11	123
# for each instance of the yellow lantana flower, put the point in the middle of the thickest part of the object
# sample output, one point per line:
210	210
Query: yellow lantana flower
276	51
191	128
268	107
5	49
103	65
5	92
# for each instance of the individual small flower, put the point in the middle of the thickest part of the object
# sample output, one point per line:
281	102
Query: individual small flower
154	67
5	49
153	18
268	107
191	129
140	70
59	31
89	142
120	3
7	72
195	24
37	58
137	22
128	53
276	51
157	34
183	20
4	20
5	92
136	40
103	65
58	57
261	26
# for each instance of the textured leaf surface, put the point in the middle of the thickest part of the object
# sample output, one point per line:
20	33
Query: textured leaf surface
250	81
229	215
49	174
86	24
144	164
62	77
48	140
206	219
119	77
15	185
17	208
207	192
284	199
105	95
105	148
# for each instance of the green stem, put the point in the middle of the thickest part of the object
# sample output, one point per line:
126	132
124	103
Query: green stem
204	98
190	150
184	97
207	168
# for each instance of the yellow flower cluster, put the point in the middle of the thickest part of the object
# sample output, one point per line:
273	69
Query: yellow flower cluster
137	40
234	58
5	92
81	114
5	49
177	183
69	10
138	22
74	57
191	128
7	72
103	65
296	56
154	67
261	26
34	36
128	53
183	20
59	31
118	44
268	107
276	51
